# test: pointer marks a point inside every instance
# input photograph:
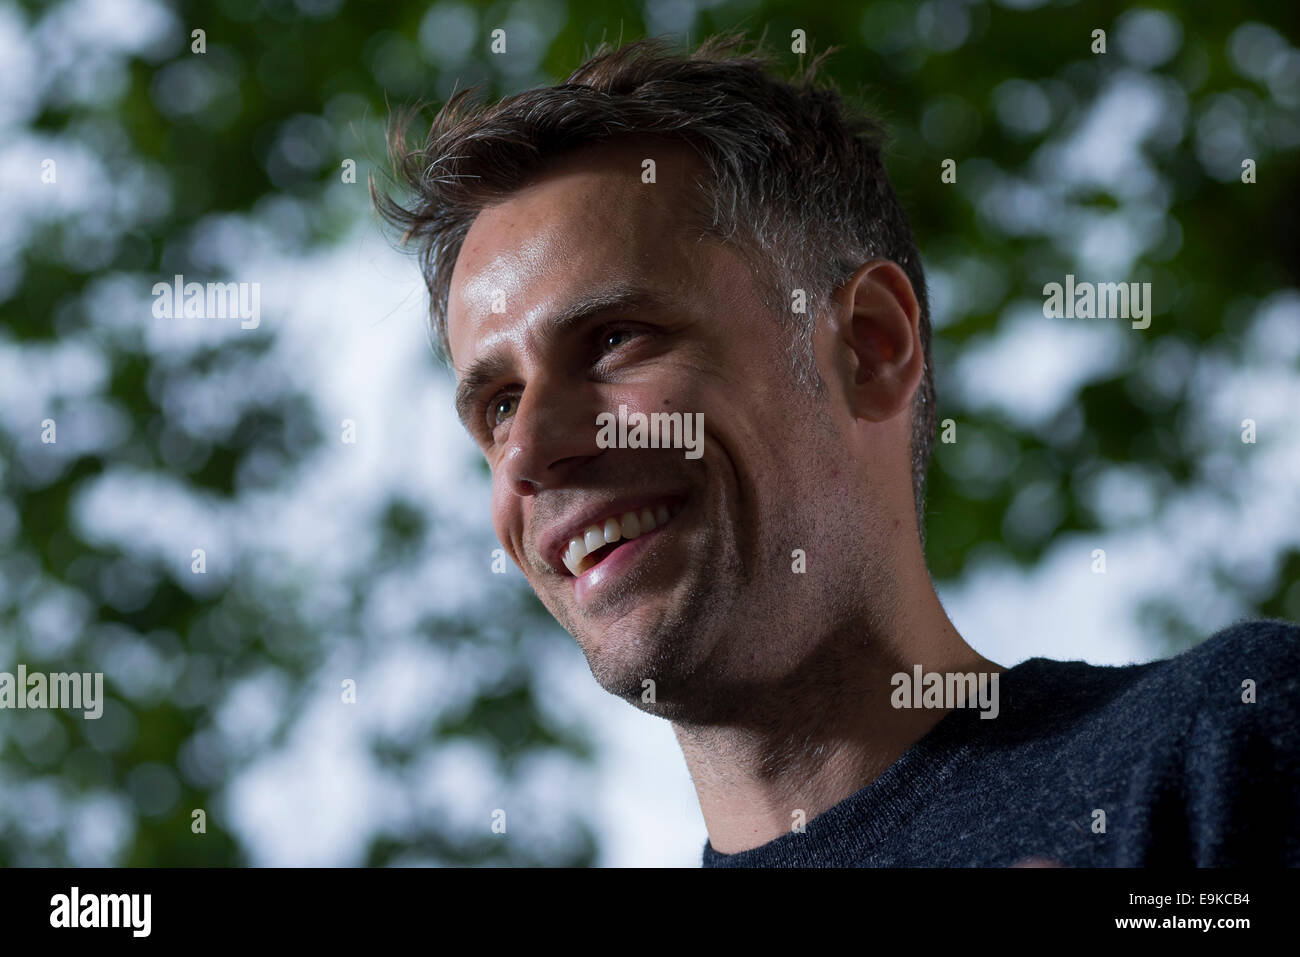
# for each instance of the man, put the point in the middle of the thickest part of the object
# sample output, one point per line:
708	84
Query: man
691	236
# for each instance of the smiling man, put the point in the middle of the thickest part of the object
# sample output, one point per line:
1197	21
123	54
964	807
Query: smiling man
689	235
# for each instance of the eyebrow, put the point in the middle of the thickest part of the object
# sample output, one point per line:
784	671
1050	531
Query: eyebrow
486	369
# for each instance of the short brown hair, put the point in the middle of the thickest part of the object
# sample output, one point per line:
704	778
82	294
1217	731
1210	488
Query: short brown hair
796	180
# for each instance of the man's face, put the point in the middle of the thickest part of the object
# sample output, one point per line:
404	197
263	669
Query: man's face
709	598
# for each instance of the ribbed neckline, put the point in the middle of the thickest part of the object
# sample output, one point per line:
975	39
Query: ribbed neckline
867	816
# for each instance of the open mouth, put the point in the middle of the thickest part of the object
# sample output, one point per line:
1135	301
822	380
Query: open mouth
600	539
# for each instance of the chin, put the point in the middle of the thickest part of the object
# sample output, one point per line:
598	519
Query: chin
625	657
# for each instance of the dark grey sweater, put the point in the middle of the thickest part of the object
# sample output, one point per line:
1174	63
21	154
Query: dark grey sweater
1185	771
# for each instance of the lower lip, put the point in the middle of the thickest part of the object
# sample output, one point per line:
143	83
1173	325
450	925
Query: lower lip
593	579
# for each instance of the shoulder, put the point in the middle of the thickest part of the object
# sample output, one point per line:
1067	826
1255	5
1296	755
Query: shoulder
1242	756
1203	747
1248	676
1264	641
1264	648
1243	677
1250	662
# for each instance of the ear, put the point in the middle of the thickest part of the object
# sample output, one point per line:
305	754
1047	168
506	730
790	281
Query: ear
876	323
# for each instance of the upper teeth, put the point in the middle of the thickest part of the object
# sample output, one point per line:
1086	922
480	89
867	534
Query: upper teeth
629	525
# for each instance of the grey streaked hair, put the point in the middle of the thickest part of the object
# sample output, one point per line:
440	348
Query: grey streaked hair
795	179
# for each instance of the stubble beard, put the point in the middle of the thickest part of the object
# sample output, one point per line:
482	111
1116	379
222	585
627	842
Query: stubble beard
675	648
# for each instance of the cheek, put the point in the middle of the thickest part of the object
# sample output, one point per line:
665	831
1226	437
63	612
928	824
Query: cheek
666	387
506	518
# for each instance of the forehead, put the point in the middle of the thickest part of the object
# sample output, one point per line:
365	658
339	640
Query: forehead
588	223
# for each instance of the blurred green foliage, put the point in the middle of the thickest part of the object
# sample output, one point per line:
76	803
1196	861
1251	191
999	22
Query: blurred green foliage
319	77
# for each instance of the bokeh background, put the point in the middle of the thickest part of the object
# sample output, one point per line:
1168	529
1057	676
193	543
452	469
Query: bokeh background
330	560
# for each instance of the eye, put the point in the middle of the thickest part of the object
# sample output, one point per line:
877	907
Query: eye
613	338
500	409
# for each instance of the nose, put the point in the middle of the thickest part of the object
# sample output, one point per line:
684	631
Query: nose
552	433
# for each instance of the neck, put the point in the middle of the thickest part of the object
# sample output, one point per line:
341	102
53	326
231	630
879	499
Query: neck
822	731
